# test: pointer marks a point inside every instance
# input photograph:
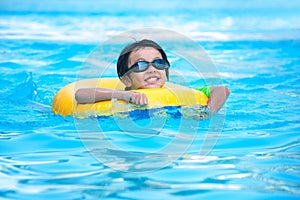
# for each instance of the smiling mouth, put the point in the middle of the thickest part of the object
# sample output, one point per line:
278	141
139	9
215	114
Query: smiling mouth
152	79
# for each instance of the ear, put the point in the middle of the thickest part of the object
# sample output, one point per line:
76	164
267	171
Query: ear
127	81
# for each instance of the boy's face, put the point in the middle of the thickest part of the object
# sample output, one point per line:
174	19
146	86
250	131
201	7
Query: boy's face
152	77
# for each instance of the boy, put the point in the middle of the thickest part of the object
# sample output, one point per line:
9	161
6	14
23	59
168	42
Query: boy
143	65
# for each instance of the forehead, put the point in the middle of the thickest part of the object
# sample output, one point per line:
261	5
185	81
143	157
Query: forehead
145	53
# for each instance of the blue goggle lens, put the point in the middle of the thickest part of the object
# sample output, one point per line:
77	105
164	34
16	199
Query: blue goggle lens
141	66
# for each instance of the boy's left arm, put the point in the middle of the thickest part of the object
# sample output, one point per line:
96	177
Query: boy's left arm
217	98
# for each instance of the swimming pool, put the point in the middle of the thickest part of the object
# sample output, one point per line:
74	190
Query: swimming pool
256	155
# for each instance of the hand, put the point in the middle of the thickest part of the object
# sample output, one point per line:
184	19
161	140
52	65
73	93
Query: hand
137	98
218	96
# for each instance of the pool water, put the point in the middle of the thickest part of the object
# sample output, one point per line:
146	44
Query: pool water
253	155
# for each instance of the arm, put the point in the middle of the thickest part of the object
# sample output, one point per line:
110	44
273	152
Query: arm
92	95
217	98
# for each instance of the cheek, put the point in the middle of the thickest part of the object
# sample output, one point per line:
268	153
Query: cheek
164	74
137	79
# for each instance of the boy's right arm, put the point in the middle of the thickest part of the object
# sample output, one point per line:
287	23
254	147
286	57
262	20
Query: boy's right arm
92	95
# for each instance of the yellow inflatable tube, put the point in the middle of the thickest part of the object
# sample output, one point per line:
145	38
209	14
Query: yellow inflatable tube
64	102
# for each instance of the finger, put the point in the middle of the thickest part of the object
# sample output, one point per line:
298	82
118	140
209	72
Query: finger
139	98
142	99
145	99
133	98
136	98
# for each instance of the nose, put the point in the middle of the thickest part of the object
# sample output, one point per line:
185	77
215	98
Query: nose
151	69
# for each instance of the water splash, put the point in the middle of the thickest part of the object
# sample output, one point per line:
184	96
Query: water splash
24	91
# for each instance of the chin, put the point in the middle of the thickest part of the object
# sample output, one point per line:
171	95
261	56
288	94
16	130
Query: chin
158	85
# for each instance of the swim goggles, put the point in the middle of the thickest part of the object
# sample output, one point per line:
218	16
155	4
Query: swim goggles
141	66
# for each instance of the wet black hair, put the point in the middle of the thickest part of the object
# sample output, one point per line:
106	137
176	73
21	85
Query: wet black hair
122	65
